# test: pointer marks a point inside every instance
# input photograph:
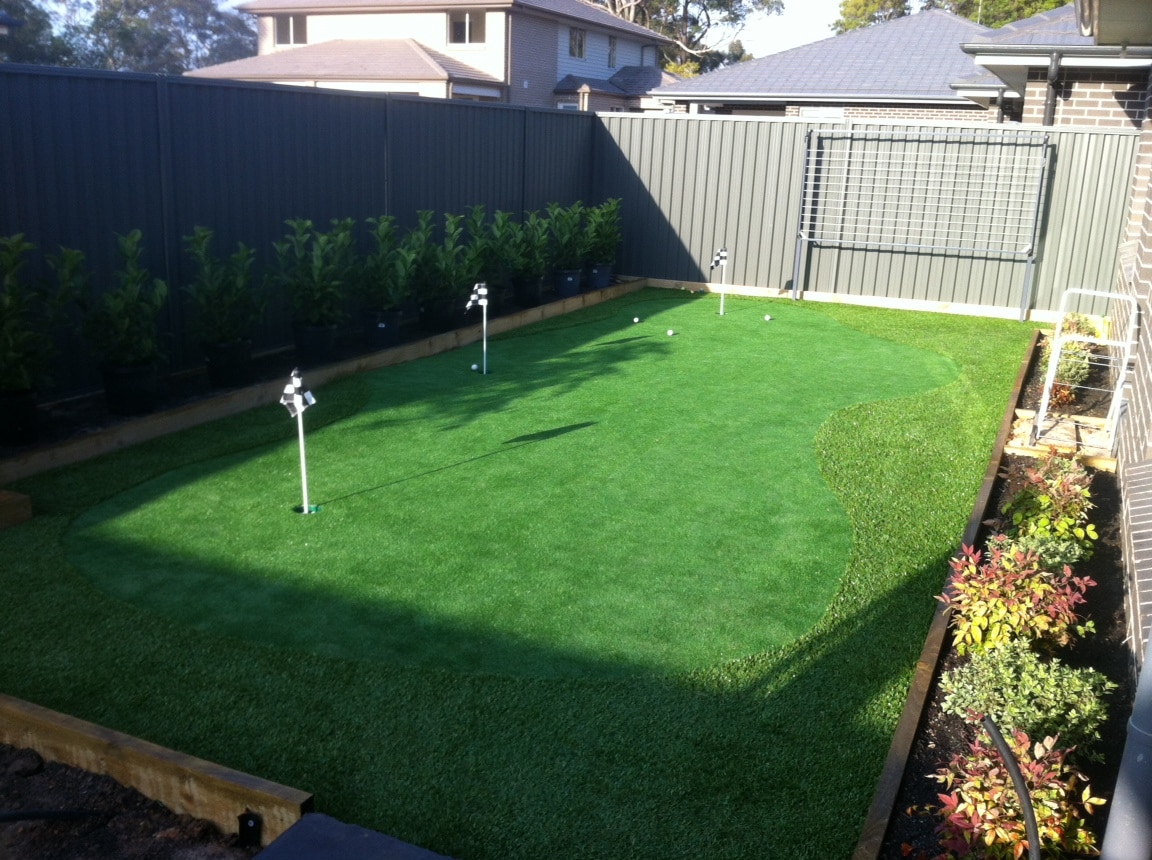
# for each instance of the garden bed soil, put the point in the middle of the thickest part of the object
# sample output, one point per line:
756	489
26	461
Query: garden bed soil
911	831
106	820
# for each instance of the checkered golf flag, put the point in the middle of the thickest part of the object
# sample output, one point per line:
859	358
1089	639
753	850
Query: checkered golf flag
479	296
295	398
721	259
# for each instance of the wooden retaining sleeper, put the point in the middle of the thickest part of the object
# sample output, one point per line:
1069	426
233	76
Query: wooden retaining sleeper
186	785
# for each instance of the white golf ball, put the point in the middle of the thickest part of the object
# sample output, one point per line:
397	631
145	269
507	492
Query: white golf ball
635	319
670	332
767	317
475	367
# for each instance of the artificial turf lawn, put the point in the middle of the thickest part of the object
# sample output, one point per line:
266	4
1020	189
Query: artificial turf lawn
773	754
599	505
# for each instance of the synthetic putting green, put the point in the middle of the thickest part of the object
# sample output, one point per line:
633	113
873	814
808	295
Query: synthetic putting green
611	500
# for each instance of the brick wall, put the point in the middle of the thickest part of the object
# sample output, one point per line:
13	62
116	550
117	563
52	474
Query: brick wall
1134	449
882	112
532	71
1103	99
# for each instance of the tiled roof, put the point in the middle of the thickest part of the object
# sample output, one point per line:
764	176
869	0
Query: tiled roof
576	83
639	80
914	58
350	59
1056	27
578	10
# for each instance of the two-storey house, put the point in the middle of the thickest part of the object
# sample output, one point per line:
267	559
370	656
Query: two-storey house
539	53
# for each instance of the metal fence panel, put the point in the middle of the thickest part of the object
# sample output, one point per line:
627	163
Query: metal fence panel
85	155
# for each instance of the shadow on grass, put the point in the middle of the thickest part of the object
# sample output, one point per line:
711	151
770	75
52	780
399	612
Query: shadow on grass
518	442
769	756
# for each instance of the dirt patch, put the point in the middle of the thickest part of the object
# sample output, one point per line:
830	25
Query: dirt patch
64	813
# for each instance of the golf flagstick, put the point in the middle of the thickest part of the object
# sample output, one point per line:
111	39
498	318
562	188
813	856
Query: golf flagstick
480	297
296	398
721	260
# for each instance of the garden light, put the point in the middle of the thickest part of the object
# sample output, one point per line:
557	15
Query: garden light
296	399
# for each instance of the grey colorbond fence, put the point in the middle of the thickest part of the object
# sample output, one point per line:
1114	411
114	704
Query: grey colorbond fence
693	183
86	154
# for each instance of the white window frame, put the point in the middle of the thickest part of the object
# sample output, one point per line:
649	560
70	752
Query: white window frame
577	42
295	27
474	29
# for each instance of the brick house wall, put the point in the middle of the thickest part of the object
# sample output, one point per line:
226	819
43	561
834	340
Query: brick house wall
531	71
1134	448
882	112
1091	97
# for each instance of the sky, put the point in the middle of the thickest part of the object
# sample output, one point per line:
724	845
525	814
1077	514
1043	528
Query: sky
803	21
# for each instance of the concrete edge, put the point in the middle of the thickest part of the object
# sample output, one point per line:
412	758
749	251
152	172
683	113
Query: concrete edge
184	784
892	775
241	400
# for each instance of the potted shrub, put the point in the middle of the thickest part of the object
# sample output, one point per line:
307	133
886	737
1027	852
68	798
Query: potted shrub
454	271
529	260
386	282
498	259
315	271
121	325
26	313
226	309
569	245
603	227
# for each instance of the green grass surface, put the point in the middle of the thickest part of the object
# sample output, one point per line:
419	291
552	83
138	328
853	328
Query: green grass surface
629	596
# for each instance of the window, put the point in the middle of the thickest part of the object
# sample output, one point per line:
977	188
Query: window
576	38
466	28
291	29
611	52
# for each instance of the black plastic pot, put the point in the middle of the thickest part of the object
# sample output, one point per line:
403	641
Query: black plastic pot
528	292
18	421
440	315
315	344
600	276
568	282
380	329
229	365
132	389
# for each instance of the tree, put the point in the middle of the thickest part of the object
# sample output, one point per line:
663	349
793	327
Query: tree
163	36
688	22
994	13
855	14
34	41
717	59
991	13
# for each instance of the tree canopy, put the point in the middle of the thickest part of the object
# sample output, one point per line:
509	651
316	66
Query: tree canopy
689	22
991	13
163	36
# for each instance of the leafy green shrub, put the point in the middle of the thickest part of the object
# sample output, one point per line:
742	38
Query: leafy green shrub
1010	596
316	270
982	813
122	323
227	307
1052	503
1075	364
27	312
1019	690
1052	552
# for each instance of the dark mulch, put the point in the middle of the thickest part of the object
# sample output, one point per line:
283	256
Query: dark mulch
911	833
104	820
